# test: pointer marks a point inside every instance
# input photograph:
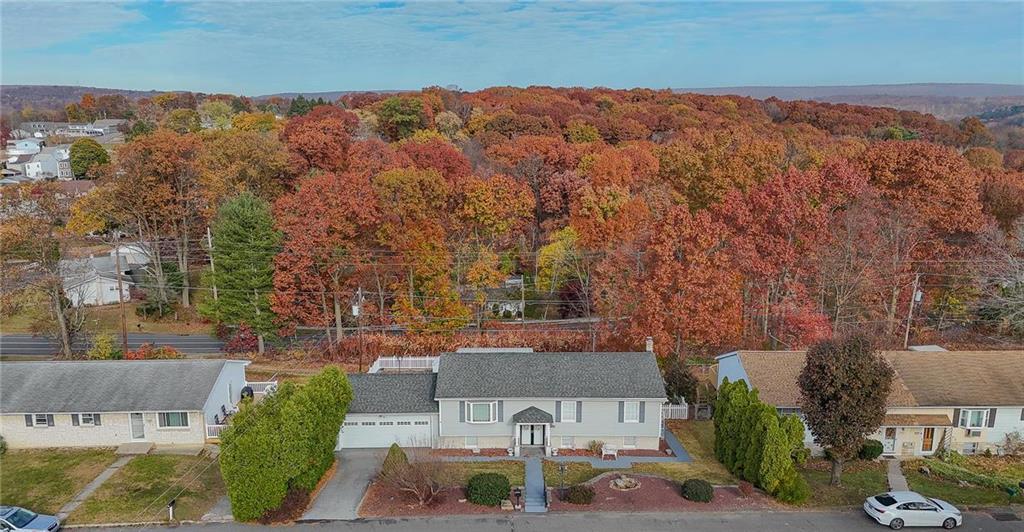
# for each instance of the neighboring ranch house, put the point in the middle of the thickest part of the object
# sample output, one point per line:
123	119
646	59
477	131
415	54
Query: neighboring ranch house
512	399
967	401
107	403
93	280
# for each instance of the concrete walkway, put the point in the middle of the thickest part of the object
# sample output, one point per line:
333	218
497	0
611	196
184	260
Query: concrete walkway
340	497
535	498
91	487
679	454
897	482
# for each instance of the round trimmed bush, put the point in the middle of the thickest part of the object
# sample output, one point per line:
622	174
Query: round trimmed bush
579	494
870	450
487	489
698	490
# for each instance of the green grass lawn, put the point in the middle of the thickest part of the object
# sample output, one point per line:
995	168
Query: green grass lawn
952	492
697	437
44	480
515	471
107	318
141	490
860	480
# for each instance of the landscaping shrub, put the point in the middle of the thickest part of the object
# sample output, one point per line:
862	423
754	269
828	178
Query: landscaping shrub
395	459
1013	443
698	490
104	348
955	473
793	489
244	340
149	352
282	443
579	494
870	450
487	489
3	445
595	446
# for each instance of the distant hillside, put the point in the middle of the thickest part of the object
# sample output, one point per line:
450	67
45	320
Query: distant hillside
327	95
57	96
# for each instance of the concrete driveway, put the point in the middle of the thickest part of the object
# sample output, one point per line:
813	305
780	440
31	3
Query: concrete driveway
340	497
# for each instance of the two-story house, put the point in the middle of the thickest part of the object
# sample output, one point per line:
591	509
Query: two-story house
967	401
512	399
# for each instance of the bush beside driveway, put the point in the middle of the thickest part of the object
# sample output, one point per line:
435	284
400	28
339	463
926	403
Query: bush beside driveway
43	480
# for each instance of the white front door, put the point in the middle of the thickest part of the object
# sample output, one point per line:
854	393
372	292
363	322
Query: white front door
889	441
138	427
531	435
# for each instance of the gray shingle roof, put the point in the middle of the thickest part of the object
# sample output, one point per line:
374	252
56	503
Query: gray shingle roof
392	393
107	386
549	375
532	415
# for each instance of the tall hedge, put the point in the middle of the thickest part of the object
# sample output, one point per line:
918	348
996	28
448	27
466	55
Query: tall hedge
282	442
754	442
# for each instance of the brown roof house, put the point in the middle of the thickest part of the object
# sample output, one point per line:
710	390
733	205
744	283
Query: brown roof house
967	401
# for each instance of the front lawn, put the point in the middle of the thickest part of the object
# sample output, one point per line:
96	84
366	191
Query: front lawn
860	480
1007	468
45	480
142	488
462	471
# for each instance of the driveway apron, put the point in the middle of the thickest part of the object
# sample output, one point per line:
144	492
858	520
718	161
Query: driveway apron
340	497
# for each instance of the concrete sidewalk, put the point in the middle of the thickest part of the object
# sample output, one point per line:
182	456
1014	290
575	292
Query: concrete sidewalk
894	473
91	487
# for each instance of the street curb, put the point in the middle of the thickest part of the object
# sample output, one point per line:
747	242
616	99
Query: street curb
147	523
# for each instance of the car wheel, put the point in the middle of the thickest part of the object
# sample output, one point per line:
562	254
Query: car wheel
949	524
896	524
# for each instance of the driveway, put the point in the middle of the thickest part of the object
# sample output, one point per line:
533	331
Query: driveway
340	497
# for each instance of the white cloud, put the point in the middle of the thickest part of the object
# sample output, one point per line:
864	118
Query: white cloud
27	24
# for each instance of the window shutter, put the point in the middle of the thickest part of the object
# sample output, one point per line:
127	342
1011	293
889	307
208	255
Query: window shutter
96	419
991	417
28	420
579	411
501	411
74	419
558	411
642	404
1022	414
462	411
957	422
49	420
622	410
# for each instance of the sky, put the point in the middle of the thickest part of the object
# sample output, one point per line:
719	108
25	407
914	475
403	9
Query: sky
263	47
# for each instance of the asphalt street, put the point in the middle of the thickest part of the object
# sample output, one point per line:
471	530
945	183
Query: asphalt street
842	521
194	344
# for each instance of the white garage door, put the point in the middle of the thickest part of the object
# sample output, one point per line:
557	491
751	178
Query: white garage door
407	430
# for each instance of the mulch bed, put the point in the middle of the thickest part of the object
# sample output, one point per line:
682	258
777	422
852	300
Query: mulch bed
381	501
660	495
469	452
292	508
662	447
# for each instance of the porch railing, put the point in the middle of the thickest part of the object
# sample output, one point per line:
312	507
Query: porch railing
213	431
675	411
264	387
404	363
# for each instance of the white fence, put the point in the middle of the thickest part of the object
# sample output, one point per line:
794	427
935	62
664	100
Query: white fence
262	387
402	363
675	411
213	431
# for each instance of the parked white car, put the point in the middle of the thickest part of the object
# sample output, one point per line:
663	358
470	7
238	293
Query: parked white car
898	509
17	519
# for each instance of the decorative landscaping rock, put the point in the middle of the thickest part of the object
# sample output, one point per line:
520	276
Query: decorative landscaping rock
624	483
507	505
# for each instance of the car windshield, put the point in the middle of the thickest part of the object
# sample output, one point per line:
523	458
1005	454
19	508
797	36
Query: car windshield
936	503
21	517
885	499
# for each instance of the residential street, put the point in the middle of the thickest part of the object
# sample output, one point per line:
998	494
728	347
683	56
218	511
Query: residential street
845	521
194	344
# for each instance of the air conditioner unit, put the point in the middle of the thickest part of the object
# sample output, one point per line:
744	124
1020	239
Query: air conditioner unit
971	433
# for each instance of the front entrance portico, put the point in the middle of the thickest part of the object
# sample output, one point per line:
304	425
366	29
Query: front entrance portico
533	429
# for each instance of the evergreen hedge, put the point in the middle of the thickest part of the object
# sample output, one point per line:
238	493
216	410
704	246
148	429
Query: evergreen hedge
285	441
579	494
395	459
756	444
488	489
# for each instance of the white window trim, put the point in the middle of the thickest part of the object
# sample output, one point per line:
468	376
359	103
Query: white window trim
493	409
92	419
160	425
625	412
36	423
568	419
965	415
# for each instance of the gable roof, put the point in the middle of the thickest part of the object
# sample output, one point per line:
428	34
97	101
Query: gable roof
549	375
532	415
107	386
951	378
392	393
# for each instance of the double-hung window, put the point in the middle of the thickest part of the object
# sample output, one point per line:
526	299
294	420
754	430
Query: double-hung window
166	420
631	412
39	420
973	419
568	411
88	420
482	412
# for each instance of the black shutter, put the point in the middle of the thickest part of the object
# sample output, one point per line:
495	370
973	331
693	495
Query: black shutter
501	411
991	417
579	411
49	420
462	411
642	404
622	410
96	419
558	411
74	419
956	418
28	420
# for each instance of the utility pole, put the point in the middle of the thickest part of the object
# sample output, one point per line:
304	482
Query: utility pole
120	293
914	298
356	311
213	270
522	297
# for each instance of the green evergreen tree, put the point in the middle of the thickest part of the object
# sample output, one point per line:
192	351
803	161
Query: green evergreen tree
299	106
244	245
85	154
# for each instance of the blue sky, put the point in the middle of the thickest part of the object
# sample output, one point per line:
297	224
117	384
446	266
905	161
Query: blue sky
261	47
